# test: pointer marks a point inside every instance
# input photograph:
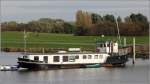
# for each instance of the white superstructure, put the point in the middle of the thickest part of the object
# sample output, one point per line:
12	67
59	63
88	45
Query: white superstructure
69	58
107	47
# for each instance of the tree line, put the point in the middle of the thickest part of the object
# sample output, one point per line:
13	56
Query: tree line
86	24
95	24
46	25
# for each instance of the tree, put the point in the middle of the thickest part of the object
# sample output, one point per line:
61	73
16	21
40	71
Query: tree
119	19
4	26
128	19
22	26
68	28
12	26
138	18
80	31
83	19
96	18
109	18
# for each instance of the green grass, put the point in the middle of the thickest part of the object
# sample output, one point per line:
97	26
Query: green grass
47	40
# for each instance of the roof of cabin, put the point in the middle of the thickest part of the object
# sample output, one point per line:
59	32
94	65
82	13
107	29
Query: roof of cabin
66	53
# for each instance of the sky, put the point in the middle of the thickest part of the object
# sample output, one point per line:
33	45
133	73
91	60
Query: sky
28	10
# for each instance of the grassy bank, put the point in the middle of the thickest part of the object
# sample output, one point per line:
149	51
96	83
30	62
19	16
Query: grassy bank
47	40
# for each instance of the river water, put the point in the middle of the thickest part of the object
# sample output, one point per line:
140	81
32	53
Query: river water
131	74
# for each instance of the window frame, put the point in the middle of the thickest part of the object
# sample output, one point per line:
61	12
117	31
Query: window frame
56	59
65	59
46	61
89	56
100	56
95	56
77	57
84	57
36	58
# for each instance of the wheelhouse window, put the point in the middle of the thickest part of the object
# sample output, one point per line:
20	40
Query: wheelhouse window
36	58
45	59
56	58
65	58
25	57
96	57
84	56
89	56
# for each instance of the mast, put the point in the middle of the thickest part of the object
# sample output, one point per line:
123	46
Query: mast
118	31
25	36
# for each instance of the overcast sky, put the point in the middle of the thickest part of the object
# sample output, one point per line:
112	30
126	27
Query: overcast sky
27	10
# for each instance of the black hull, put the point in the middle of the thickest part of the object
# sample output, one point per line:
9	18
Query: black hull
36	65
117	60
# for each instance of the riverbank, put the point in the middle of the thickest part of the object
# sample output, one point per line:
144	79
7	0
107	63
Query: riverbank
142	51
51	43
52	40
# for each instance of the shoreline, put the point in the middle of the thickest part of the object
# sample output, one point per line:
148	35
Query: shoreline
142	51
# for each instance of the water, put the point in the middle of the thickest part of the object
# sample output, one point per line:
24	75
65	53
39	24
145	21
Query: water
131	74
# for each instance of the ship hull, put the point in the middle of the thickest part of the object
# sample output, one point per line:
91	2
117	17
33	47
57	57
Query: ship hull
111	61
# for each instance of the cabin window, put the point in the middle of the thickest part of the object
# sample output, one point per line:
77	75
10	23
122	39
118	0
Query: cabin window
25	57
96	57
36	58
71	58
65	58
100	56
84	56
77	57
56	59
89	56
45	59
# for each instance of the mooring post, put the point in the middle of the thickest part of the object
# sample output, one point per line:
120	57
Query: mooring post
124	43
133	50
43	50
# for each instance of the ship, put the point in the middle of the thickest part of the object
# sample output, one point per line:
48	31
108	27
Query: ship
106	54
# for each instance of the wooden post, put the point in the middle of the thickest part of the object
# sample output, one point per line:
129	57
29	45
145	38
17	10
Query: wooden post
133	50
43	50
125	43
